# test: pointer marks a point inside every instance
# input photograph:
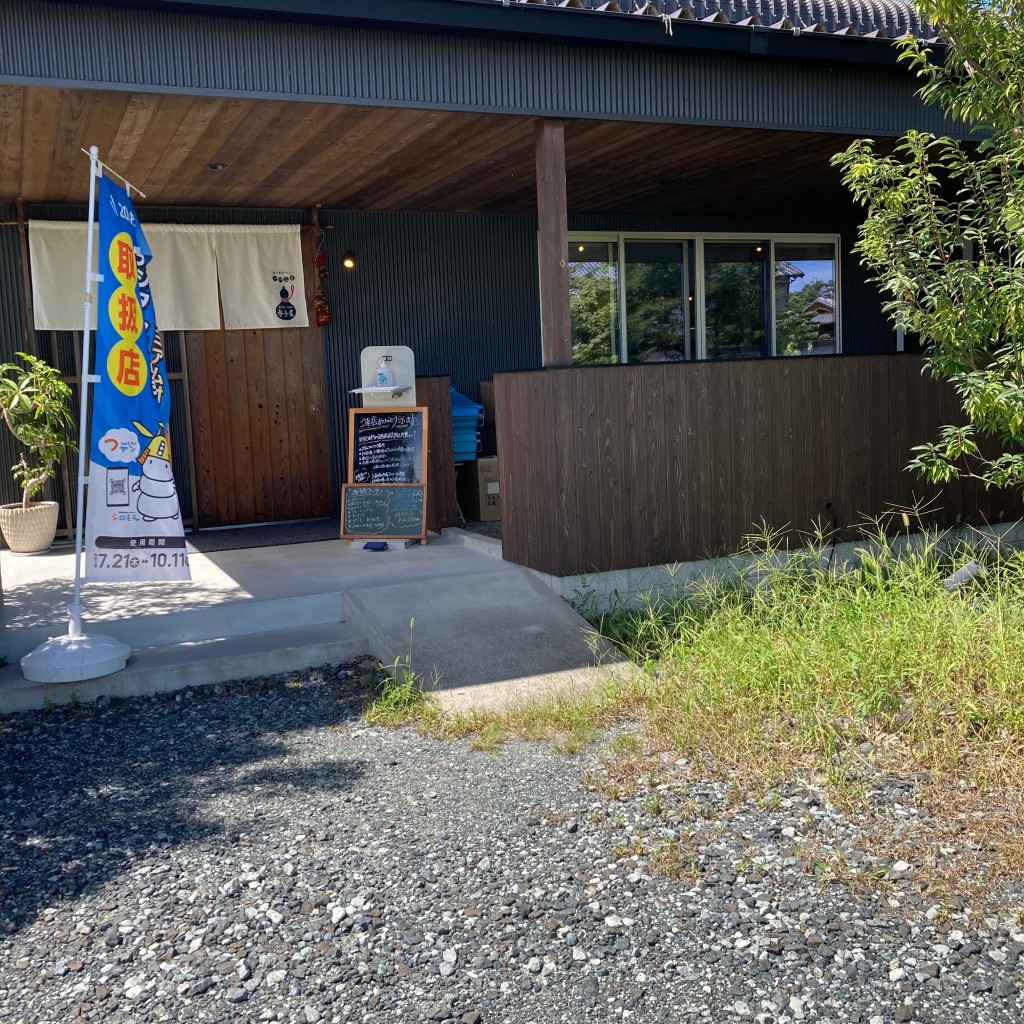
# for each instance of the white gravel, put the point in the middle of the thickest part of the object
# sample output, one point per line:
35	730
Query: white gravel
262	855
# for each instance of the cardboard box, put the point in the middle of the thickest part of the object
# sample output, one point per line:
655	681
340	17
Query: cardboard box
479	490
487	400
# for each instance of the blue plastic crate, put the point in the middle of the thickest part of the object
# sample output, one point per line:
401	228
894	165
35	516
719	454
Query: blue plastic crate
463	407
467	418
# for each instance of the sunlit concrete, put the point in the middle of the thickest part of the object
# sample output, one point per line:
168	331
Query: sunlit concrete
486	631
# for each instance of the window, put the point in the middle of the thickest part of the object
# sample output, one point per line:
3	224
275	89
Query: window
659	302
735	299
594	302
651	298
805	298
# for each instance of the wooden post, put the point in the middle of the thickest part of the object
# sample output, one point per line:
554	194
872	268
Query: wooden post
553	234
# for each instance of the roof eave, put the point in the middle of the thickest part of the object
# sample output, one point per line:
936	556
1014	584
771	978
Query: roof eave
540	22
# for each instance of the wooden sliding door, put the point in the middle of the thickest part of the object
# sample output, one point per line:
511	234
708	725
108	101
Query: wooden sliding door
259	425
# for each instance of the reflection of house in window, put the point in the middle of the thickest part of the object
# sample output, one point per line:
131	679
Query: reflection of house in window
822	313
805	298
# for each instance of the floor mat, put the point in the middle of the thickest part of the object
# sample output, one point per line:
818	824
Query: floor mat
270	535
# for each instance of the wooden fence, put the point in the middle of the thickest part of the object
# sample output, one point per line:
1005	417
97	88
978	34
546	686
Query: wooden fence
617	467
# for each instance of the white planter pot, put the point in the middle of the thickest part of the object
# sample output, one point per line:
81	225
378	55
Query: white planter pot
29	530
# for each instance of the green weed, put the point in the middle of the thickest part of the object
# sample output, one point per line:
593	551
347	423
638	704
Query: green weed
402	695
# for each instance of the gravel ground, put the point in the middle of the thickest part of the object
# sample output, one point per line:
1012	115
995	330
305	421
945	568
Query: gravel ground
260	854
490	529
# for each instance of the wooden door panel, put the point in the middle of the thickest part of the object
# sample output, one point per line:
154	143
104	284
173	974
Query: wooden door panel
259	425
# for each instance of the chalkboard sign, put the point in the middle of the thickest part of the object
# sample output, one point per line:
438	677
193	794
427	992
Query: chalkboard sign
384	510
387	446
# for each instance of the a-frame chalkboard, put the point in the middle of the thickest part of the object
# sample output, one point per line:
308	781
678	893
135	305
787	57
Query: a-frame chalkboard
387	446
395	511
386	496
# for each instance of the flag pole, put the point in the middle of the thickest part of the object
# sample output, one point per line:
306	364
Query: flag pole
79	656
101	166
75	608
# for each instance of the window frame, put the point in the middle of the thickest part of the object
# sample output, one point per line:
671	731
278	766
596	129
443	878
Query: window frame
621	238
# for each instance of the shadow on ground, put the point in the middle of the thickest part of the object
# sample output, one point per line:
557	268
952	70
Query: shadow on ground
86	793
38	603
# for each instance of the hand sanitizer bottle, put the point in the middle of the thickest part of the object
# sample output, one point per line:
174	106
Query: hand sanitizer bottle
385	378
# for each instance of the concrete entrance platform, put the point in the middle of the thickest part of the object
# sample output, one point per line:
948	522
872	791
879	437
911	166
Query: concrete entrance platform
486	640
487	631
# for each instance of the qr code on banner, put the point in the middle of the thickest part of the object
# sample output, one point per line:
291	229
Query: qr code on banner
117	487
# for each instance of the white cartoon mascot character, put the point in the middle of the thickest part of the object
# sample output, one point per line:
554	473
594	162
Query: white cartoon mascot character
157	497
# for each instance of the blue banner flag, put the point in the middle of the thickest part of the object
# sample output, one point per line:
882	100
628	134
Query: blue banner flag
133	529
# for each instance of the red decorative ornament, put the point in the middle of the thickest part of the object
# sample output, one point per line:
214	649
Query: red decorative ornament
323	315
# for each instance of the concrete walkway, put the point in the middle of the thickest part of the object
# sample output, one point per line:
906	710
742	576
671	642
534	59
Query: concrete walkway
486	632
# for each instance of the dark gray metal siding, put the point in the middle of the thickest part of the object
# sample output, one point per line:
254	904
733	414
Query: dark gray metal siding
175	214
13	336
80	45
459	289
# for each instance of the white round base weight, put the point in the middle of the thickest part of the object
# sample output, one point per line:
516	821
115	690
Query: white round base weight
72	659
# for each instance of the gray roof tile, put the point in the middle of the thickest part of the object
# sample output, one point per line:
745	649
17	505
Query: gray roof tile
872	18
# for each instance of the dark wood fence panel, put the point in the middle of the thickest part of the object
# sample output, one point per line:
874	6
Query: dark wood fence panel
615	467
436	394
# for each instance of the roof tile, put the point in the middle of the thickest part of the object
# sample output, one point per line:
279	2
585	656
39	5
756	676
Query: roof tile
872	19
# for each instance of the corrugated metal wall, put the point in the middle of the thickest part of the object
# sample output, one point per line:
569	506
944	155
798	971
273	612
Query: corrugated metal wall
459	289
78	45
13	336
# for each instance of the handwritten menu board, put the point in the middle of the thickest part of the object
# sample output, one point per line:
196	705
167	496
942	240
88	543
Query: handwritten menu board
384	510
387	446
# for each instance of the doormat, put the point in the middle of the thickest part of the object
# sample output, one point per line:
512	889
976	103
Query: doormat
272	535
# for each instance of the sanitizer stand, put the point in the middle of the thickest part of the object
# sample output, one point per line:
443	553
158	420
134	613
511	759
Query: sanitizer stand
401	394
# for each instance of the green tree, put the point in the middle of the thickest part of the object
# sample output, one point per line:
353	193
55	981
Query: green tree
592	312
655	325
795	330
944	233
734	309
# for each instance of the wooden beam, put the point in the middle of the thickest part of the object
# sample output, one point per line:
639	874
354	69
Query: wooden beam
553	234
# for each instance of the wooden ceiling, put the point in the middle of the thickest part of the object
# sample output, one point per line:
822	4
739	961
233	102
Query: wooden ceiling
288	154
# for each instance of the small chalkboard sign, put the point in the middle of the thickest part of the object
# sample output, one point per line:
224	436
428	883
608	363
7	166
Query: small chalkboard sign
384	510
387	446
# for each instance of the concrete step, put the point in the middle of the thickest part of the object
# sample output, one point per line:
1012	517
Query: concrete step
487	640
180	625
490	546
175	666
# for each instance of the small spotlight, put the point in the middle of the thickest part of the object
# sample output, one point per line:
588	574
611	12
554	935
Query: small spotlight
759	248
583	248
216	167
348	261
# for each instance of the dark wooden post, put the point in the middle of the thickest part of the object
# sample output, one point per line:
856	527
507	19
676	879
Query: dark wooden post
553	232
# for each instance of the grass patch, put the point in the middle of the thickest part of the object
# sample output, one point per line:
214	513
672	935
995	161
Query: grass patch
792	658
400	698
795	667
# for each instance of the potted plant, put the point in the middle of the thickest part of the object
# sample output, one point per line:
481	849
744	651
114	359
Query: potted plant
36	406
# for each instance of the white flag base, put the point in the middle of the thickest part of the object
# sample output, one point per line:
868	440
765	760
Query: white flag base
72	659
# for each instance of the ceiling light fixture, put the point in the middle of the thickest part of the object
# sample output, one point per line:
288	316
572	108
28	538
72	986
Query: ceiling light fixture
348	260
